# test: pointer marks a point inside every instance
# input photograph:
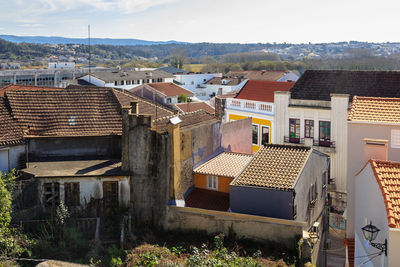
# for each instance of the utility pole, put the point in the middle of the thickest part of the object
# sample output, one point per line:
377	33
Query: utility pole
89	53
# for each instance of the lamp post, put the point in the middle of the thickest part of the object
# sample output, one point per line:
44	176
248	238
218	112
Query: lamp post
370	233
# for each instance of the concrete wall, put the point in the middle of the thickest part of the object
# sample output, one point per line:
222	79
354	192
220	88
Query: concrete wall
10	156
75	146
261	202
356	135
210	89
312	173
150	93
369	206
191	81
393	247
146	155
236	136
245	226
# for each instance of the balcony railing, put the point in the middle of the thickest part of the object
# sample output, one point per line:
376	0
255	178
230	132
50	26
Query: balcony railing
250	106
316	142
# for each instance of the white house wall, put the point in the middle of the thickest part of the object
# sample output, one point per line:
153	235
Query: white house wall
94	80
9	157
393	247
369	206
210	89
91	188
191	81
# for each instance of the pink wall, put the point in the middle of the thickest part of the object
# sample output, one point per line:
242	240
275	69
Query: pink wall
236	136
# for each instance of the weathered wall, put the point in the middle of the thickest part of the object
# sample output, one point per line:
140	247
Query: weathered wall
75	147
10	157
237	136
393	246
245	226
146	155
261	201
197	144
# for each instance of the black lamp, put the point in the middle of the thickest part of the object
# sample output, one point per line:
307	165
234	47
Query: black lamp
370	233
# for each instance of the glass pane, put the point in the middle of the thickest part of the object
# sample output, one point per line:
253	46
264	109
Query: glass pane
255	134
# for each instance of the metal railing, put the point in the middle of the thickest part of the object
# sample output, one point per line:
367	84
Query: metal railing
250	106
316	142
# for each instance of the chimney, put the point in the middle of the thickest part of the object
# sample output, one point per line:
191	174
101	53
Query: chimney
175	156
375	149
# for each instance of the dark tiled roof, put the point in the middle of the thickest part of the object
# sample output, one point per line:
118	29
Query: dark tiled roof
111	76
231	81
173	70
262	90
188	119
319	84
145	105
10	131
261	75
194	106
207	199
26	87
274	166
170	89
72	112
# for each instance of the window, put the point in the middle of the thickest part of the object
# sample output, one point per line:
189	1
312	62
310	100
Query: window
72	194
169	100
255	135
312	195
128	82
212	182
51	194
294	130
116	83
309	129
325	133
192	82
147	80
294	211
159	80
265	135
395	138
324	182
110	197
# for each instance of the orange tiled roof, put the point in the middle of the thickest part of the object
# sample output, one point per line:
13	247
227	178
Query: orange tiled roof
226	164
170	89
10	131
274	166
387	174
375	109
26	87
193	106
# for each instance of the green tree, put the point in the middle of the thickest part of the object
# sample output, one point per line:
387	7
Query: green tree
183	98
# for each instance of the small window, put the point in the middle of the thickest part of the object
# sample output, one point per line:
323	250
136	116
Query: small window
192	82
51	194
265	134
294	212
294	130
128	82
255	135
116	83
72	194
309	129
395	138
169	100
212	182
313	195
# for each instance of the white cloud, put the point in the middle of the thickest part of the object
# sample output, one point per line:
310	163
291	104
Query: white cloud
135	6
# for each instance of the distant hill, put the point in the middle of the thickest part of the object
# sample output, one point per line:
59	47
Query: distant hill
93	41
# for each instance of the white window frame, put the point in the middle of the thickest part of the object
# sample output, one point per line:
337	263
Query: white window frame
258	134
212	182
269	133
395	138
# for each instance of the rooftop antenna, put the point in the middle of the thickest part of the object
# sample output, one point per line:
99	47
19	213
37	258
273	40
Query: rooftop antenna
89	53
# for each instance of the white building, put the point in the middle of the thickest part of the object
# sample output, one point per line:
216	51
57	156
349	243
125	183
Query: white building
221	85
377	192
194	81
61	65
127	79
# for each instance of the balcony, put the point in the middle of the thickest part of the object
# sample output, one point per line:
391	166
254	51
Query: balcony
322	146
250	106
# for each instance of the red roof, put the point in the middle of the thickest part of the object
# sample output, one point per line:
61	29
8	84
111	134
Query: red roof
194	106
170	89
26	87
262	90
207	199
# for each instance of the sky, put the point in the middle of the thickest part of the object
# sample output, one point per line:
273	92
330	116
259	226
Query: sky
222	21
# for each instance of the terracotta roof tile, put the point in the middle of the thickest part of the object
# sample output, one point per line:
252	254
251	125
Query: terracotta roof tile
10	131
170	89
25	87
262	90
72	112
387	174
274	166
375	109
226	164
207	199
188	119
228	81
261	75
194	106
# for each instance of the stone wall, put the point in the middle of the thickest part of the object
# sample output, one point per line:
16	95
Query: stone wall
256	228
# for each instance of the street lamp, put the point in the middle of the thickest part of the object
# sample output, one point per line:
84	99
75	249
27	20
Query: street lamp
370	233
